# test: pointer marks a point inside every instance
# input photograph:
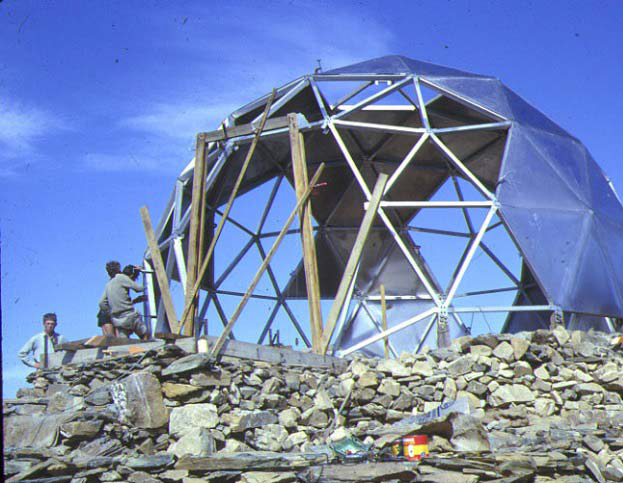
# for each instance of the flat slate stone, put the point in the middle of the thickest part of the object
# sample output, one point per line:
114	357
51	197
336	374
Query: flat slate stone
250	460
150	462
187	364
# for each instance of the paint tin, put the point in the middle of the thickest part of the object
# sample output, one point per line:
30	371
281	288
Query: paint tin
415	446
397	448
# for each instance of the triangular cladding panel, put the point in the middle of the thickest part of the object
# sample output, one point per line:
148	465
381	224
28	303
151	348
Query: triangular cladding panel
330	271
480	152
527	179
550	242
524	113
397	64
485	92
332	185
493	95
531	295
595	290
609	236
604	201
566	156
362	326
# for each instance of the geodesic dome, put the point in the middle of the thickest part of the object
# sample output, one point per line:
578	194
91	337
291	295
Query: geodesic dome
490	208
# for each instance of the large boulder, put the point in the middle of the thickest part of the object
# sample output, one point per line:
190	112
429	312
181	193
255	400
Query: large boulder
185	419
138	400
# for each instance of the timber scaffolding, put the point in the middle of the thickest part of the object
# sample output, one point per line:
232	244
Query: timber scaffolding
183	331
389	142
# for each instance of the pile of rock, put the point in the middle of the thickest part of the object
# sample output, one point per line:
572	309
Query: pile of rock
544	406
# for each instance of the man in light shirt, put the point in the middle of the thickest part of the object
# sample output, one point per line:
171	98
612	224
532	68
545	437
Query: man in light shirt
116	298
46	342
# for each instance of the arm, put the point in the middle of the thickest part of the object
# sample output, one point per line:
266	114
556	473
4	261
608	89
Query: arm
27	352
103	302
128	283
139	299
137	288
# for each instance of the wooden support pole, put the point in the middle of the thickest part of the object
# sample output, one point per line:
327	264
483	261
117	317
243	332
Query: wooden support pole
191	293
45	351
161	274
195	222
384	320
190	328
353	261
301	201
299	169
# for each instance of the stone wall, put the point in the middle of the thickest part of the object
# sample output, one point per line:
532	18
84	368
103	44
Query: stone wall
543	406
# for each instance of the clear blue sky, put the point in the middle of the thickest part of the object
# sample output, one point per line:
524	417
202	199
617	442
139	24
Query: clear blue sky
100	103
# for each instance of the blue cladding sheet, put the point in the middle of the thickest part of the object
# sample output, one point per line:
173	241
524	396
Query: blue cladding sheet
528	179
397	64
594	291
565	156
524	113
604	201
610	238
486	92
362	327
550	241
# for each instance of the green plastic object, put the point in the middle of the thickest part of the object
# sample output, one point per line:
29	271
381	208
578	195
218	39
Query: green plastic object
351	448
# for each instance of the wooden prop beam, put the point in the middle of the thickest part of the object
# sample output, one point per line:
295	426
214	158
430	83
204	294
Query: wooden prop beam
45	351
353	261
244	130
299	168
191	293
190	328
195	220
384	320
221	340
161	274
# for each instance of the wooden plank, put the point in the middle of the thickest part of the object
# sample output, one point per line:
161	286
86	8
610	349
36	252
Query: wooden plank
195	218
232	348
135	349
299	168
278	355
191	294
161	275
169	336
108	341
221	340
244	129
384	320
71	346
353	261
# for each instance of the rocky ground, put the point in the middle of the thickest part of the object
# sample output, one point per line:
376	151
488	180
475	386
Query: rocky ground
539	406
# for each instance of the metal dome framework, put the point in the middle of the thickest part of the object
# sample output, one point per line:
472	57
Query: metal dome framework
458	148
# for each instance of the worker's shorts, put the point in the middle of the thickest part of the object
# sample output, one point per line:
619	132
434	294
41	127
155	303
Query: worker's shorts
103	317
129	323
